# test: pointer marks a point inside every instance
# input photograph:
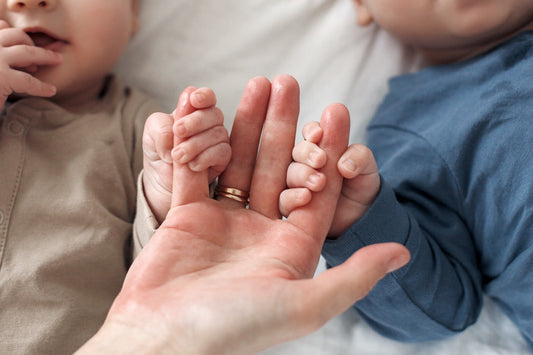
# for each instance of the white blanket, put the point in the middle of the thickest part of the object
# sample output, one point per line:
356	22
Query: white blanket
223	43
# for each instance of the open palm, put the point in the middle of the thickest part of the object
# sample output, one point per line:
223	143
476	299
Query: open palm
220	278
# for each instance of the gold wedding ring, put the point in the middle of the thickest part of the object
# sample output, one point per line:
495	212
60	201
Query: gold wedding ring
233	194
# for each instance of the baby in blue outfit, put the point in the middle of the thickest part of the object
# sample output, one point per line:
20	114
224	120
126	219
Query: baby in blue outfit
448	170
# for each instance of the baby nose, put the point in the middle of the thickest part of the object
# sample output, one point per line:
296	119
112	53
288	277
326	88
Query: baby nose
18	5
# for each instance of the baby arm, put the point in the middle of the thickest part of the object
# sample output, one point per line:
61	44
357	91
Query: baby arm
357	165
19	58
203	144
439	293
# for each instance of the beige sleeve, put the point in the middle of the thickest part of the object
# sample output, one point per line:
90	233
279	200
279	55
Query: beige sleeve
145	223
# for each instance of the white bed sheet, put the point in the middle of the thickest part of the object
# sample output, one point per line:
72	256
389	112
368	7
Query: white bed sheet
223	43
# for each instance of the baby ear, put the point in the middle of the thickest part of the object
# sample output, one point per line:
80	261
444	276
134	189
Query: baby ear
363	15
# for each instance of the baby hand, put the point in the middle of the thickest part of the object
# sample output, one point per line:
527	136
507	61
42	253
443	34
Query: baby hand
19	57
357	165
204	145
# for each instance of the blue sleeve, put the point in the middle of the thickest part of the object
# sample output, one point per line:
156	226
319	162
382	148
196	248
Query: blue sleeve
439	293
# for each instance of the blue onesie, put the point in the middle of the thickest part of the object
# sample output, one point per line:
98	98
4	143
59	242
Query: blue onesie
454	147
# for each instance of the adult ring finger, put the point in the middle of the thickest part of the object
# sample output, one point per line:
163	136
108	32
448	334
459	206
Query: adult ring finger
231	193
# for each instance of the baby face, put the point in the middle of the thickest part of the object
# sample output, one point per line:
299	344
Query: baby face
91	35
447	24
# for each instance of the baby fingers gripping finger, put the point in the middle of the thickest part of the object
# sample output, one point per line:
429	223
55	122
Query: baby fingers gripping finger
301	175
188	186
316	217
191	148
199	121
312	132
357	160
293	198
203	98
310	154
214	158
158	137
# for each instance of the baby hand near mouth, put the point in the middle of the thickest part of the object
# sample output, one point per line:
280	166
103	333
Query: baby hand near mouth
19	58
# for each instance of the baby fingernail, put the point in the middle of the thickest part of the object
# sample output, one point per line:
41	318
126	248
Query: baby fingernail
181	130
349	165
200	98
314	179
313	156
195	166
178	154
397	262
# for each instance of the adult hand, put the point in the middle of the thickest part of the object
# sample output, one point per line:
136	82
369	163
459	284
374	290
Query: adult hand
217	278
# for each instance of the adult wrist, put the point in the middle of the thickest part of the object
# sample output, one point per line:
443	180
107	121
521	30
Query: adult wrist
118	338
